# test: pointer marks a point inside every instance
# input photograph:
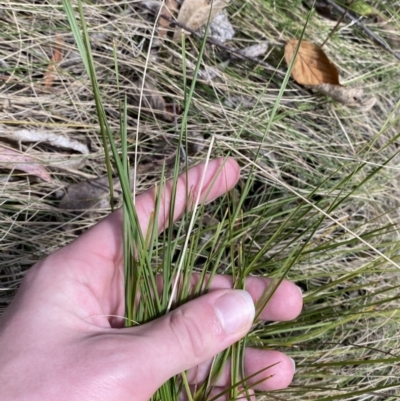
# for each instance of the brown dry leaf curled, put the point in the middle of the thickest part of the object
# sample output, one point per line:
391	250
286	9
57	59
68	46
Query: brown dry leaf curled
51	74
195	13
12	159
350	97
187	10
169	9
311	66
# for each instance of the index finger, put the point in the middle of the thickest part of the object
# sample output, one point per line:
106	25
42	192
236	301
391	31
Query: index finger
105	238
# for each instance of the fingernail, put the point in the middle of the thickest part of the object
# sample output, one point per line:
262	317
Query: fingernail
235	310
294	364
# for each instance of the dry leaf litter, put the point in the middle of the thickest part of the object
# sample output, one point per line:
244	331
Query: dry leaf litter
311	68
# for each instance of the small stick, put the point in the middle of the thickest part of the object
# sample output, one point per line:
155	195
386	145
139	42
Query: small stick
336	26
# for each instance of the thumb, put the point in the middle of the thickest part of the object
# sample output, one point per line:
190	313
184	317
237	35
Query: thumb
193	333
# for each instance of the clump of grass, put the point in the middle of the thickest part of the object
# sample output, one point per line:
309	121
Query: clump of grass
321	180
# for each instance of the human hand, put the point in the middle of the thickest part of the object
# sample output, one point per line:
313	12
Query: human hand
61	338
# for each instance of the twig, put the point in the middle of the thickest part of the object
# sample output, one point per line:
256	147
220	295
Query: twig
366	30
336	26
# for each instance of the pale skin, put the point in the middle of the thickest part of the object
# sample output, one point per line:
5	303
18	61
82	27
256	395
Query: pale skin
61	337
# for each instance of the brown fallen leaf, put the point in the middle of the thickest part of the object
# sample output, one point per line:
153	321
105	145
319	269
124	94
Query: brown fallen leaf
13	159
152	101
350	97
313	69
311	66
195	13
169	9
51	74
187	10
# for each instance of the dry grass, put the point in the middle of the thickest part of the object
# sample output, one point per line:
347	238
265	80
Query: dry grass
351	300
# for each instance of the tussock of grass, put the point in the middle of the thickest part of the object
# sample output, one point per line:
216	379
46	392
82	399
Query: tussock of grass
323	199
